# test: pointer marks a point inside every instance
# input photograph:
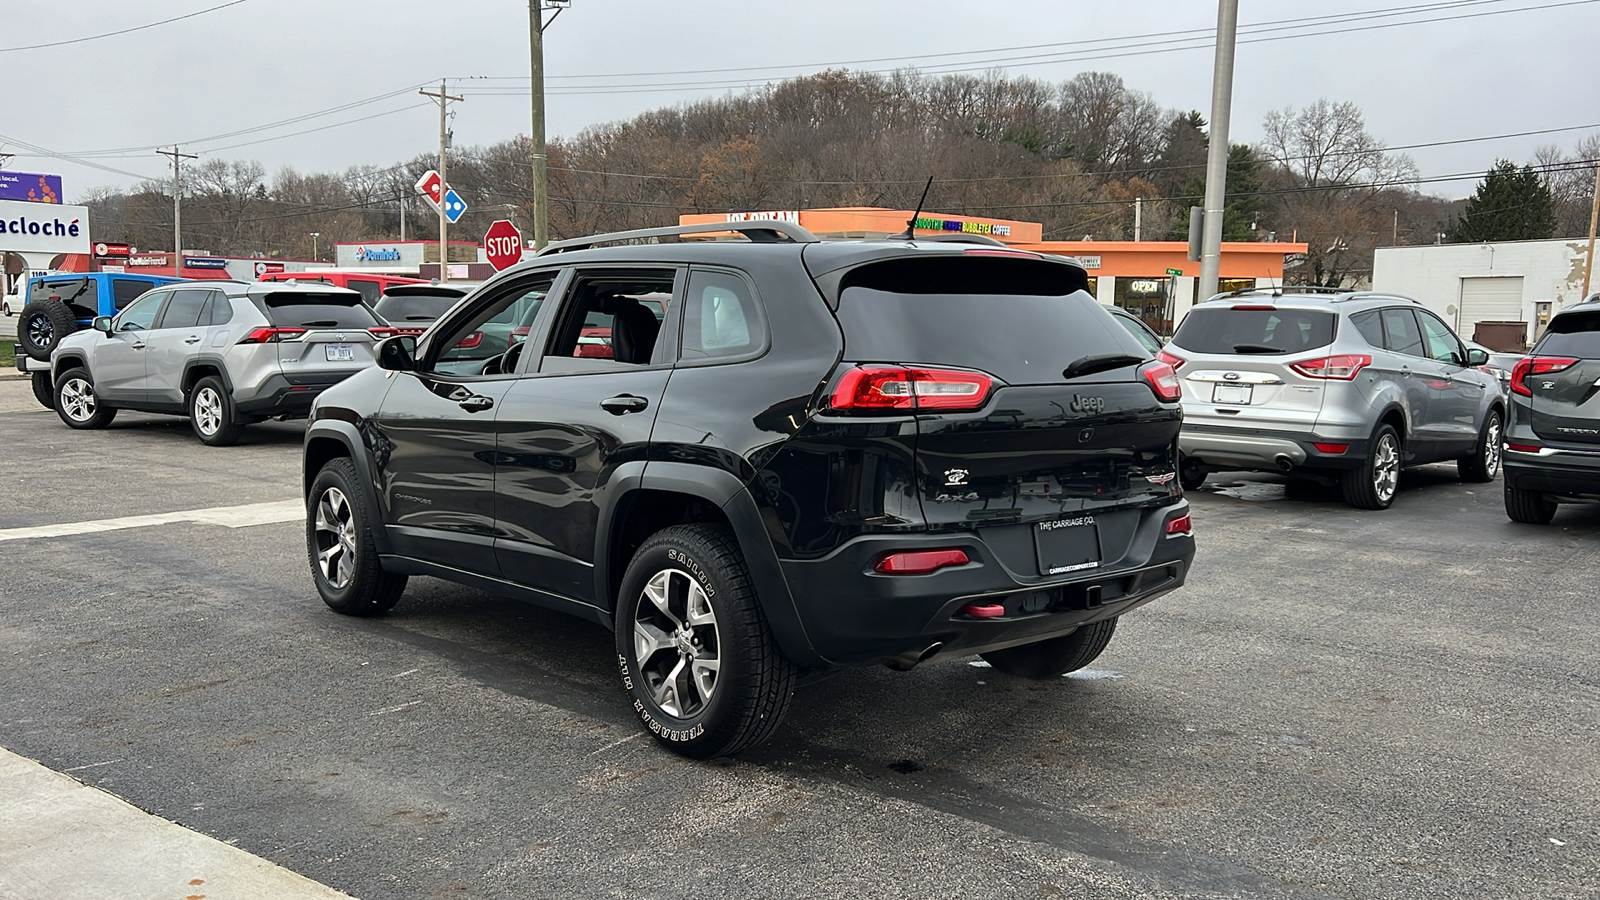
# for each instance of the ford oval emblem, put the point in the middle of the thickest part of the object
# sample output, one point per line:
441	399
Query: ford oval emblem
1230	376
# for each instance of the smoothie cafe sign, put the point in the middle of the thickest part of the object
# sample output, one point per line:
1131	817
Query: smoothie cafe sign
27	227
962	226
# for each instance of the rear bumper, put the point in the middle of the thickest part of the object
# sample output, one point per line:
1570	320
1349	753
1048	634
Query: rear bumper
1260	448
288	395
854	616
1571	473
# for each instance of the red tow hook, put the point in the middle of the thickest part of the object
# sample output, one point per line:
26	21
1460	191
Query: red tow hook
983	610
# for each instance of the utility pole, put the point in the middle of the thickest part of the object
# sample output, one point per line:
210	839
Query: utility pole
402	218
541	196
1217	153
1594	219
443	99
177	207
1138	218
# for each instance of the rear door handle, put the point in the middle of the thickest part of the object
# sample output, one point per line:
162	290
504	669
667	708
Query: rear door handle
137	346
624	403
477	402
192	339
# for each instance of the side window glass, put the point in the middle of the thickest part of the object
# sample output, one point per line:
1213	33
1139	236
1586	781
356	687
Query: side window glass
719	316
141	313
183	311
1442	345
369	290
127	290
1370	327
1400	332
221	309
488	334
612	318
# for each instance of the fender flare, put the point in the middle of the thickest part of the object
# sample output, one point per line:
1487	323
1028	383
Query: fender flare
214	362
355	448
732	496
65	361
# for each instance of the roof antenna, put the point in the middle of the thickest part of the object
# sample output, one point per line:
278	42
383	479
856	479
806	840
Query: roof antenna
911	223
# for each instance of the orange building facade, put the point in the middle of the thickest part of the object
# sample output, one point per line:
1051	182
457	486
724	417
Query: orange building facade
1153	279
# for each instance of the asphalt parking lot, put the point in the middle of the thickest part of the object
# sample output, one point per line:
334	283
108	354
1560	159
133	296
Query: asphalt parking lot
1339	704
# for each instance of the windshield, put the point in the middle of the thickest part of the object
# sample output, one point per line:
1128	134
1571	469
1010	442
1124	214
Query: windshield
398	310
1255	330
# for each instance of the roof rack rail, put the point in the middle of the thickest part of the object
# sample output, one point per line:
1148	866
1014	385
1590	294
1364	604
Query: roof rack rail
1377	295
759	231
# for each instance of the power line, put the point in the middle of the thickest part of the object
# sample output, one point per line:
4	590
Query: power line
96	37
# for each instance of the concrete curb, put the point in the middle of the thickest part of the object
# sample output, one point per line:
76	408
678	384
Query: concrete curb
66	839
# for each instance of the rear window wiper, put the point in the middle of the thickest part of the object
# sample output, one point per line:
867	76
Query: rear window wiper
1099	362
1257	348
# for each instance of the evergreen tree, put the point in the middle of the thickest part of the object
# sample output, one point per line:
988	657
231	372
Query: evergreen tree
1509	205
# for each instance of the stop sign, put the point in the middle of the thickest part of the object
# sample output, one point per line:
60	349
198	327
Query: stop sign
502	244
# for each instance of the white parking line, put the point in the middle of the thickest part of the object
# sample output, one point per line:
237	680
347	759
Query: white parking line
226	516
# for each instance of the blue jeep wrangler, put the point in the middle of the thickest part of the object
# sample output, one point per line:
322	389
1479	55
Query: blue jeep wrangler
58	305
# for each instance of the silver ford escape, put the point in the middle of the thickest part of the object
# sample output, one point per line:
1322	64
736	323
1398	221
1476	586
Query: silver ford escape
1347	385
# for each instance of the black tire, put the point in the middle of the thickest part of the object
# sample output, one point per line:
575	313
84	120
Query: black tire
1483	463
359	586
1191	474
211	413
752	683
43	390
1362	486
1056	656
42	326
1529	507
78	405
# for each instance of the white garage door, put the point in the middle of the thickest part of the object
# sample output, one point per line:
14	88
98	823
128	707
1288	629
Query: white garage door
1489	300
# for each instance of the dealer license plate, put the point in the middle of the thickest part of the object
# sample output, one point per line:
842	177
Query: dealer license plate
341	353
1235	394
1067	545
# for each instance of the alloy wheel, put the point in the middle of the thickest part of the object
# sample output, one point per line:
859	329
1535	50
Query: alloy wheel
207	411
40	331
336	538
1491	447
676	643
1385	468
77	400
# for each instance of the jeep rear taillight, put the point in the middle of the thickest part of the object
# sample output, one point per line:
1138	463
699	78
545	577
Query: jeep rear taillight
265	335
892	388
1163	379
1333	368
1536	365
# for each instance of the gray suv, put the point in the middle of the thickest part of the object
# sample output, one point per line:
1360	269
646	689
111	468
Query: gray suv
1349	385
223	353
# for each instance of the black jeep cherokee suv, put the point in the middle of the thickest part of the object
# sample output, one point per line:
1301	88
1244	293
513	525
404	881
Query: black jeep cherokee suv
756	459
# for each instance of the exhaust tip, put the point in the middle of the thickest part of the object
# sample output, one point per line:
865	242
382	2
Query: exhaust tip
1285	464
905	662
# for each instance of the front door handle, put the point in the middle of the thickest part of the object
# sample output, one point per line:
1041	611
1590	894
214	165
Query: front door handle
624	403
137	346
192	339
477	402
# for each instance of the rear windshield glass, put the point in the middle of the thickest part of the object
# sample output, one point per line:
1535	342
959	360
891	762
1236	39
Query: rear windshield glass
302	310
1023	322
1255	331
77	291
415	307
1572	334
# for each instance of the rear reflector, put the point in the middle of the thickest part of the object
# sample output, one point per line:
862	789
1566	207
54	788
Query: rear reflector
875	388
1180	525
920	562
266	335
1331	448
1333	368
1163	379
1524	448
983	610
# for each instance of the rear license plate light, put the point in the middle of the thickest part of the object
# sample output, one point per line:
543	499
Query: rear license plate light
1067	545
341	353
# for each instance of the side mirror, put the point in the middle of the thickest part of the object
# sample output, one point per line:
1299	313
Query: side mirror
1477	358
398	353
102	324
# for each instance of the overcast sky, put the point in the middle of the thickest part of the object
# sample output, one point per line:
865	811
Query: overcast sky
263	61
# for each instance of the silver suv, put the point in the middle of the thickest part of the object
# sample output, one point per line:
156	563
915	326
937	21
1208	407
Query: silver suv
1351	385
223	353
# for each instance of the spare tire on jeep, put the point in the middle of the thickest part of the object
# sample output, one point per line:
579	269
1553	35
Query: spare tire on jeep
42	326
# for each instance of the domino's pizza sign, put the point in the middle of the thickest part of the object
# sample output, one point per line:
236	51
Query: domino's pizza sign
377	254
27	227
